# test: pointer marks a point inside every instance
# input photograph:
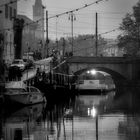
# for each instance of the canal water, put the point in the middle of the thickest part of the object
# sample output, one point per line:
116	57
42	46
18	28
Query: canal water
111	116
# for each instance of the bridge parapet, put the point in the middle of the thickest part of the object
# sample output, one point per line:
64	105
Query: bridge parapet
81	59
127	67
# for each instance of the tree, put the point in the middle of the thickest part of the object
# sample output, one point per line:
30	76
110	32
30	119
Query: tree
130	26
83	45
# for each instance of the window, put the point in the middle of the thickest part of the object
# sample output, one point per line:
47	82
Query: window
10	13
15	13
6	11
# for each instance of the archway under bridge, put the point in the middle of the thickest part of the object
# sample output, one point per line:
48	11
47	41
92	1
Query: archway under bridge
117	78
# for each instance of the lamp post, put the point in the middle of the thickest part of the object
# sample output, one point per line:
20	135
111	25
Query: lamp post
47	39
72	18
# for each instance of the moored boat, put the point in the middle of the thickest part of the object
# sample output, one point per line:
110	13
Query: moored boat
94	86
20	93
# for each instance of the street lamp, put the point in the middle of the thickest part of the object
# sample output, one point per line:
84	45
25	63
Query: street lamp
72	18
93	72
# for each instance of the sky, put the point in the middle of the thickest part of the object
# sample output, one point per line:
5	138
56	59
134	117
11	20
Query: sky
110	15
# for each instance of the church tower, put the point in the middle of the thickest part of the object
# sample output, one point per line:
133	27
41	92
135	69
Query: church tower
37	10
38	15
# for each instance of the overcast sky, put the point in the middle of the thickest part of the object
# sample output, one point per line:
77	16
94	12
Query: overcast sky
110	14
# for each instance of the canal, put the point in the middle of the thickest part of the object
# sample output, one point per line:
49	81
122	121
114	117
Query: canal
111	116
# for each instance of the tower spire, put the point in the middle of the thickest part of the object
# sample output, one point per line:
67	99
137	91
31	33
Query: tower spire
38	2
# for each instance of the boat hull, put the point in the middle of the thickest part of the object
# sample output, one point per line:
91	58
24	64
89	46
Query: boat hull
25	98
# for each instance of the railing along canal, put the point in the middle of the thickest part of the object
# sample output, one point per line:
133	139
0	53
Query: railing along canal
55	79
45	75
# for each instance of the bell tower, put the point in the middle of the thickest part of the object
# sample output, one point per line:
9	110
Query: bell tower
38	15
37	9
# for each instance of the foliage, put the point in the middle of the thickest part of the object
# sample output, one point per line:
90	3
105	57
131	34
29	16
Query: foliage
83	45
130	26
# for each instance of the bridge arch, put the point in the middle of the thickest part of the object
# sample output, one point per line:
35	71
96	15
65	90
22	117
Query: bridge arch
115	75
117	78
126	67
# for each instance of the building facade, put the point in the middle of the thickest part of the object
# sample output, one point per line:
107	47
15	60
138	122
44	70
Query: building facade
111	49
33	30
29	42
8	13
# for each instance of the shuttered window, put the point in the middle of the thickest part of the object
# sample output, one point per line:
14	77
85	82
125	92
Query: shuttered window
15	14
6	11
10	13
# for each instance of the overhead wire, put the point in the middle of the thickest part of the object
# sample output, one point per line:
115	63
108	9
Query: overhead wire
8	3
56	16
67	12
77	9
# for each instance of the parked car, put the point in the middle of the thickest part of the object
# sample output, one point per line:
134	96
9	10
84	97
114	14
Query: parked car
19	63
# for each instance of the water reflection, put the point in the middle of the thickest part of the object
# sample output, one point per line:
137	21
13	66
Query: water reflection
86	117
92	112
22	124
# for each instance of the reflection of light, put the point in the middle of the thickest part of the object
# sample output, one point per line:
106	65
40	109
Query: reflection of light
93	72
92	111
88	111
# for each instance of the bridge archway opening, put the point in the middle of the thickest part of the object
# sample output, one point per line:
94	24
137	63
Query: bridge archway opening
102	70
101	73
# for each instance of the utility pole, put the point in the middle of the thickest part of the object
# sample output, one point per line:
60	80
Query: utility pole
63	48
57	48
56	37
96	36
47	40
72	18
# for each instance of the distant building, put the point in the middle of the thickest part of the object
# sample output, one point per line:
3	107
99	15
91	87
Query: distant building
112	49
38	16
7	15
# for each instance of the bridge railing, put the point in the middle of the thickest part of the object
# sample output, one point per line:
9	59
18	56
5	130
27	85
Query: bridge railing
62	79
44	64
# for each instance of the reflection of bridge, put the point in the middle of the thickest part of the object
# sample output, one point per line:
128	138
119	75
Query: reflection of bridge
117	67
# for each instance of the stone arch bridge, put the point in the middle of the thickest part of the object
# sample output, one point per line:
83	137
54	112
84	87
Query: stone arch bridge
118	67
